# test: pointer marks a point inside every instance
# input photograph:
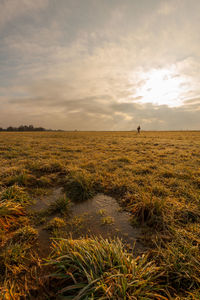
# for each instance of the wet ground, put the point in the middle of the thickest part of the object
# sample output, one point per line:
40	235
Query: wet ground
99	216
44	236
102	216
45	201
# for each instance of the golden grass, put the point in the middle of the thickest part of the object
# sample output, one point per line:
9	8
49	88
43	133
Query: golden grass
100	269
155	175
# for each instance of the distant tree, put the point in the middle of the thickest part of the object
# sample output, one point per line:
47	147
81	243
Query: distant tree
20	128
25	128
10	128
40	129
31	128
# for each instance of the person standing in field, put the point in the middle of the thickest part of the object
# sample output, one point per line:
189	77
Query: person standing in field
138	129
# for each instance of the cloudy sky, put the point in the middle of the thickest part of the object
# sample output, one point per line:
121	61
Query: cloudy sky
100	64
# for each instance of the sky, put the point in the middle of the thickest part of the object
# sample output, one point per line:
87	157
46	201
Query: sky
100	64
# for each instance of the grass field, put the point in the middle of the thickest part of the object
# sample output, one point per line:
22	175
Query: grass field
153	175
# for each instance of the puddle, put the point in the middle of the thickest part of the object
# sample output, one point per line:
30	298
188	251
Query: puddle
44	202
99	216
44	241
102	216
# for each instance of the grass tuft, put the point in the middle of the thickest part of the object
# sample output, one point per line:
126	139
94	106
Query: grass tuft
61	205
26	234
150	212
55	223
15	193
9	214
101	269
79	186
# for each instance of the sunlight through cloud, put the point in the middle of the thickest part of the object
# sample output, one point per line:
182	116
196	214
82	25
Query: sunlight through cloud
162	87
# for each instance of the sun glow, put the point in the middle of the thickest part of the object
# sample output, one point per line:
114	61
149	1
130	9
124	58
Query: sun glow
161	87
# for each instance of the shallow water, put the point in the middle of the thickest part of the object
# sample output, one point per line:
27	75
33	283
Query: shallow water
44	202
99	216
40	204
102	216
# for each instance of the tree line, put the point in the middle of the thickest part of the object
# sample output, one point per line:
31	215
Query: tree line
24	128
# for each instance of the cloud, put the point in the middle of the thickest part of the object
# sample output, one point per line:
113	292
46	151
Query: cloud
12	9
80	64
167	7
192	101
100	112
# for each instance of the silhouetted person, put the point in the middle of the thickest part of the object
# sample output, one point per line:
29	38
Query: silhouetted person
138	129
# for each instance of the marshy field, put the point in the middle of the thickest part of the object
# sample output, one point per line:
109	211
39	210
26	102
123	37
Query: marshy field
100	215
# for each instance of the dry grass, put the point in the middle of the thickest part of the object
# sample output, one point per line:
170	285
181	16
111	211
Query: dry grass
155	175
